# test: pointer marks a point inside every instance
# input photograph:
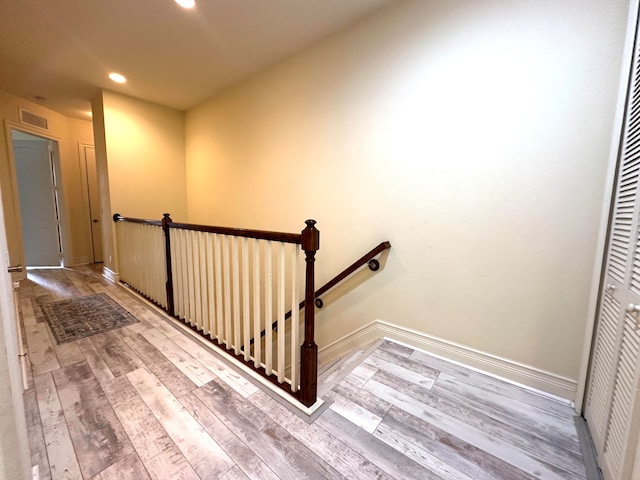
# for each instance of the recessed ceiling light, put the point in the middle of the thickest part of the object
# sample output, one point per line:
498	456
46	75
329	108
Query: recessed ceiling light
116	77
186	3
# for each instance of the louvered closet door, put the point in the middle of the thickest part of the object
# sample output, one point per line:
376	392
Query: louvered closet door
612	406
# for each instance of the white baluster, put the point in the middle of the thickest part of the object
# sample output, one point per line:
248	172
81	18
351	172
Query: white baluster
295	320
211	302
228	339
217	258
175	271
190	275
162	274
236	294
246	311
197	280
154	262
268	310
280	313
184	274
257	325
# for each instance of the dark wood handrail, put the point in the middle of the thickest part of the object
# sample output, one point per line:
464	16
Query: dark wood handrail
241	232
364	260
236	232
352	268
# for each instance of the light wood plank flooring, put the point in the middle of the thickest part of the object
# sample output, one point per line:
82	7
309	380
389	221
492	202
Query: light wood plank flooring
146	401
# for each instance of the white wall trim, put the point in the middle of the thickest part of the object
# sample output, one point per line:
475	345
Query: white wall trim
502	368
110	275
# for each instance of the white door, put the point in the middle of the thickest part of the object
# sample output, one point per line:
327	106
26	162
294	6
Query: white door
38	196
89	153
612	403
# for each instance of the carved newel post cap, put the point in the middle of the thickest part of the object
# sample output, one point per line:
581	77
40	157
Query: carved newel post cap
165	220
310	237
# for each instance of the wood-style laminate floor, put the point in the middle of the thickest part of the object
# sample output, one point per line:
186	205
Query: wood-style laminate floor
146	401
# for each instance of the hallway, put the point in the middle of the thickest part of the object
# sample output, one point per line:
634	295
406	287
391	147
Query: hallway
147	401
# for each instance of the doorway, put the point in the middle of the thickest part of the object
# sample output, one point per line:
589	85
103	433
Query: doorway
88	157
37	175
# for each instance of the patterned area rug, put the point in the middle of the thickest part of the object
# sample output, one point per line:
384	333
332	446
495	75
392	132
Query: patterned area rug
85	316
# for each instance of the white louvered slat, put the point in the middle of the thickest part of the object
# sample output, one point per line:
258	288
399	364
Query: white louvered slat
624	392
623	220
602	363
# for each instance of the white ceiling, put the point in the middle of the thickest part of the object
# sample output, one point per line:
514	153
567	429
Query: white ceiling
62	50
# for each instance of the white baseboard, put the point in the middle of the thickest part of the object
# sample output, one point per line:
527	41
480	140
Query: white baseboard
503	368
356	339
110	275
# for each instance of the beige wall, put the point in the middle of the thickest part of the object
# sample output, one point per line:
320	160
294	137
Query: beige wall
141	159
145	154
69	133
472	136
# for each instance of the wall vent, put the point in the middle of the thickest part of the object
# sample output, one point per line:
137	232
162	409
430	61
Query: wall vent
29	118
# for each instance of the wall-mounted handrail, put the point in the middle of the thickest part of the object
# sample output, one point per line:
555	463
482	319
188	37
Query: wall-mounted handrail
367	259
119	218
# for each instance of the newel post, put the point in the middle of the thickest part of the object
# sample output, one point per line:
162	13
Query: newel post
166	219
309	349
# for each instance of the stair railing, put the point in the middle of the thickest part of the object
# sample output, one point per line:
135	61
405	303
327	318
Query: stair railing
228	284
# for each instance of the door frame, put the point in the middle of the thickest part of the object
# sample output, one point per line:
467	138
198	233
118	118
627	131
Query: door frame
67	257
84	184
600	259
